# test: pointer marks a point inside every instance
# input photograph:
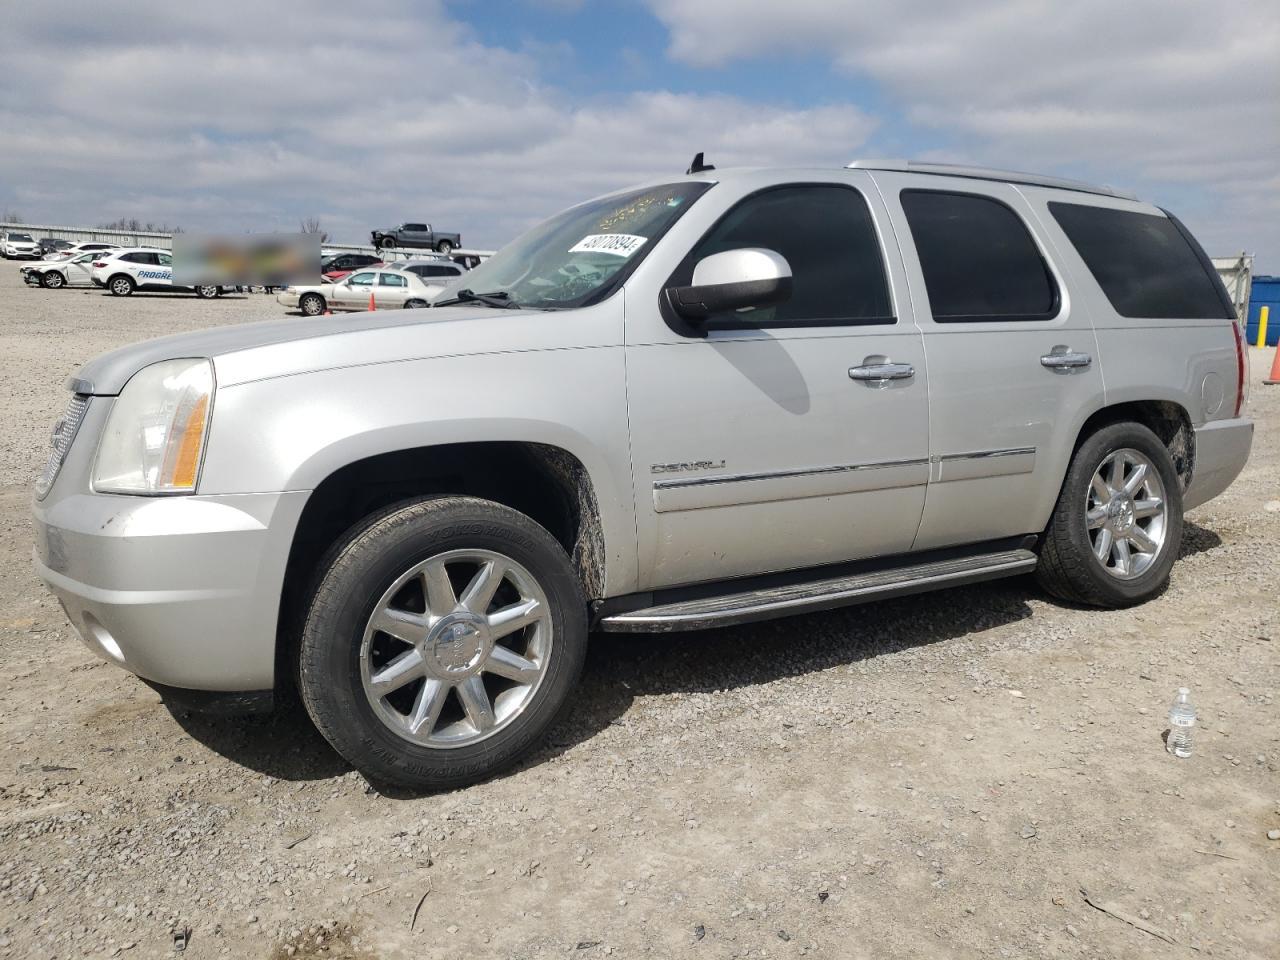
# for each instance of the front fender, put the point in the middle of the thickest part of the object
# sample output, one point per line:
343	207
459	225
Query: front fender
290	433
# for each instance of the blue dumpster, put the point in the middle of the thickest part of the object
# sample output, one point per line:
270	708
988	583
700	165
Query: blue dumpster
1264	292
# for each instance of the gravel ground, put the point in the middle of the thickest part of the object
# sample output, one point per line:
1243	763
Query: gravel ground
937	775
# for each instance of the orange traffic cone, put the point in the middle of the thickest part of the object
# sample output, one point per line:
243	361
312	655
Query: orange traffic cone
372	305
1274	379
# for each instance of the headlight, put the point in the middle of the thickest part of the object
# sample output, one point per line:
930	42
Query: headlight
154	439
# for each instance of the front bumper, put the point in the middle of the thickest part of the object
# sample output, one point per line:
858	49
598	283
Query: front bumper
182	591
1221	451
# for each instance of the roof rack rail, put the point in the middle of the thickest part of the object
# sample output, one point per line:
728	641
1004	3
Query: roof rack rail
987	173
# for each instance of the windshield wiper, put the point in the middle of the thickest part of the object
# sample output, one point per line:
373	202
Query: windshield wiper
497	298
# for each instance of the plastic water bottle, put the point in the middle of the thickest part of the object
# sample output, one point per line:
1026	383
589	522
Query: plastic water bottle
1182	718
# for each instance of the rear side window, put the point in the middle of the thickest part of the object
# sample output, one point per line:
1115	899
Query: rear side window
1144	264
978	259
826	234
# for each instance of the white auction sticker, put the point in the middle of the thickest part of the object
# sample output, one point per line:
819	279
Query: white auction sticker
618	244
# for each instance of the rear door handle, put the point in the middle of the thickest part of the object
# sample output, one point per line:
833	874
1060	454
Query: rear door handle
1060	358
876	372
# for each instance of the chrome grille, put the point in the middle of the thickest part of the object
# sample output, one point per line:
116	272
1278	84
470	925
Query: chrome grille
64	431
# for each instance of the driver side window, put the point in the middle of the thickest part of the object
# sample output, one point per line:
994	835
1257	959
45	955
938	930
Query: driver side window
826	234
361	280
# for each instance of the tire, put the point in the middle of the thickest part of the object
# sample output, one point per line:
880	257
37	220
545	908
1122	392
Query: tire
52	279
414	304
444	246
207	292
468	736
385	243
1089	520
121	285
312	304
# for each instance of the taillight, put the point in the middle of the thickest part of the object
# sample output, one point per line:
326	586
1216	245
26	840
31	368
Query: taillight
99	263
1242	368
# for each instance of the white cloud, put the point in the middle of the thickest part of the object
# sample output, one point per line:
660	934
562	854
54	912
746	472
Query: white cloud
1179	99
207	116
241	115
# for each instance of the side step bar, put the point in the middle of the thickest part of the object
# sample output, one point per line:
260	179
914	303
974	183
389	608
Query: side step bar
734	608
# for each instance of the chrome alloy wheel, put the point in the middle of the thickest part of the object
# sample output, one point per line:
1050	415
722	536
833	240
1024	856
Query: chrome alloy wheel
456	648
1126	514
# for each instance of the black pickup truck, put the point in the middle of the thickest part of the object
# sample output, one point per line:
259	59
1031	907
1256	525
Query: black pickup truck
419	235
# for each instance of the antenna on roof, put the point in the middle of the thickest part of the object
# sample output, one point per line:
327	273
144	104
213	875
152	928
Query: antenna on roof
698	166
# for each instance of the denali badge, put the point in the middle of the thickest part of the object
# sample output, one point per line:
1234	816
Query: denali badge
686	467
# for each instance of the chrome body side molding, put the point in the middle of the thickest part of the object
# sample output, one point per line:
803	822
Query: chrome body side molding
694	493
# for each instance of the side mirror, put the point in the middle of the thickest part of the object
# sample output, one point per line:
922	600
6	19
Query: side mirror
733	280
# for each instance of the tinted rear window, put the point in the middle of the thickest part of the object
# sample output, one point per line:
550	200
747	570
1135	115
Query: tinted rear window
978	259
1144	264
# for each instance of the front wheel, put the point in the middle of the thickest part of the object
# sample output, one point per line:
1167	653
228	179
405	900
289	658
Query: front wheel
52	279
207	292
1117	526
442	641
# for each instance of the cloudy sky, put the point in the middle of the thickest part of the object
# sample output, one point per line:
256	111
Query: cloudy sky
486	115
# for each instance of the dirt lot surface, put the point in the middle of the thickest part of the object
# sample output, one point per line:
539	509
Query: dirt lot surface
933	776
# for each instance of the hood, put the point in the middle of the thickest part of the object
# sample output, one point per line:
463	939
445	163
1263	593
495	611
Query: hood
255	351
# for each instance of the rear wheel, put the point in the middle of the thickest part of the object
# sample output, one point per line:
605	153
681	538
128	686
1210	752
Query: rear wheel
1117	526
444	246
442	642
312	304
121	285
52	279
414	304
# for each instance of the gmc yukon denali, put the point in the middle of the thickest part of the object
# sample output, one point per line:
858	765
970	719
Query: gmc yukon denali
713	399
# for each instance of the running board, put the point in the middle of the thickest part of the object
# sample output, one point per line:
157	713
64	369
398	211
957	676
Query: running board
734	608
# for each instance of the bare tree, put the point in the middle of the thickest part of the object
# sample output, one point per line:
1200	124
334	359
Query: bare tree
134	225
312	225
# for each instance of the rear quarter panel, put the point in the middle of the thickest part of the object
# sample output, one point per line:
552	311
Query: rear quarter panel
1188	362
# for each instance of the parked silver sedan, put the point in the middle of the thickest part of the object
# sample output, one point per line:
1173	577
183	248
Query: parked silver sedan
61	273
387	288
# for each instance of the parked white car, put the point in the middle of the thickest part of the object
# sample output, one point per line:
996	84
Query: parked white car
88	246
141	268
17	245
389	289
76	272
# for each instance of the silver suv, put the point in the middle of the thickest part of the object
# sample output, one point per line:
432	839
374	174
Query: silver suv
718	398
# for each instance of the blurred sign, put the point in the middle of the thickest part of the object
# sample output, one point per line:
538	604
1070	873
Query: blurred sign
267	259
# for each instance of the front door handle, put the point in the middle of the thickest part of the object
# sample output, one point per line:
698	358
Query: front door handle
877	372
1060	358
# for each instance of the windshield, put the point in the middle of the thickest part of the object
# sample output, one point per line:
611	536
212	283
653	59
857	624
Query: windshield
580	256
21	238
